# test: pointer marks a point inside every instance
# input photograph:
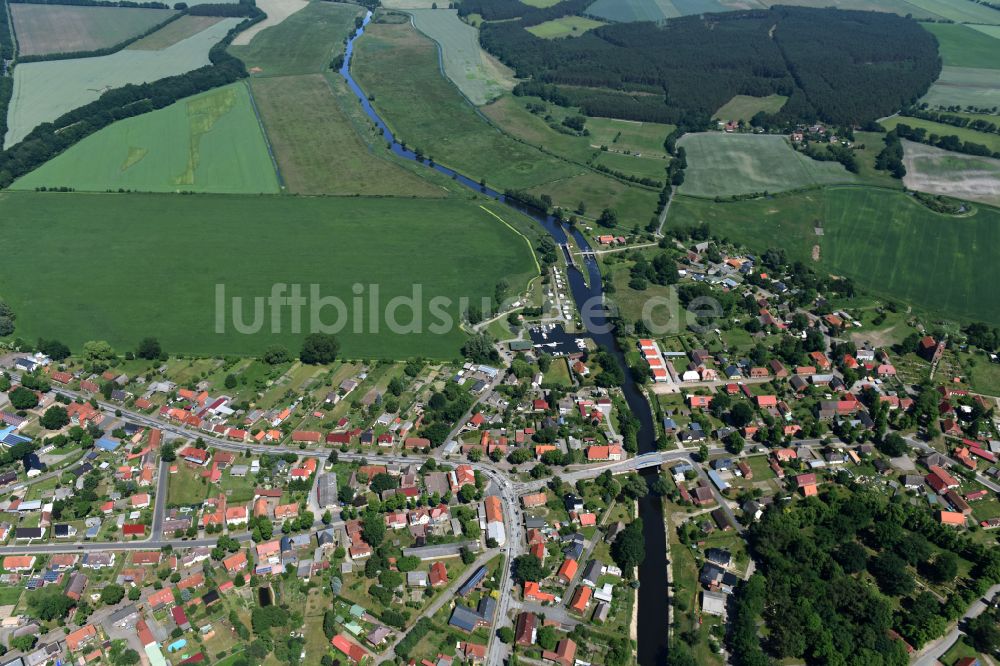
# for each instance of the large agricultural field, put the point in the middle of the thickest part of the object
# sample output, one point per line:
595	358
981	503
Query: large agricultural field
304	43
43	91
727	164
174	32
745	107
960	11
901	7
170	253
207	143
318	150
930	169
477	74
625	11
48	29
962	46
975	87
885	241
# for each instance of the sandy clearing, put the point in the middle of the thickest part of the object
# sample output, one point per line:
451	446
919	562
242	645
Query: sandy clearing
276	10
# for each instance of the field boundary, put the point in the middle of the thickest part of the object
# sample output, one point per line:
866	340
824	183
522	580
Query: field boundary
263	131
534	257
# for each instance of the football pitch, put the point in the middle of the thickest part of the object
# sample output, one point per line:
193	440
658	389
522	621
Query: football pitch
119	267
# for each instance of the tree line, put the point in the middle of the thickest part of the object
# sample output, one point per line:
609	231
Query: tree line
49	139
843	67
96	3
946	142
6	53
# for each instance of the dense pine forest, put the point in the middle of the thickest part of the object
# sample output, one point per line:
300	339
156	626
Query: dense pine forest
844	67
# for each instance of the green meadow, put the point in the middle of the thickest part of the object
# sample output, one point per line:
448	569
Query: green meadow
207	143
119	267
884	240
962	46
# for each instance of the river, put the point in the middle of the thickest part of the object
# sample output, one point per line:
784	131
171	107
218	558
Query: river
653	599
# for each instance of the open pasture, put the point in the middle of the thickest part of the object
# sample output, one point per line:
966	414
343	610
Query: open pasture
317	148
992	141
961	46
745	107
174	32
43	91
567	26
398	66
634	205
477	74
930	169
304	43
727	164
629	135
169	253
633	165
48	29
885	241
211	142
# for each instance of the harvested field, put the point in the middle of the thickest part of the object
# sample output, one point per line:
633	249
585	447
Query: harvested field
965	86
477	74
930	169
174	32
43	91
276	10
48	29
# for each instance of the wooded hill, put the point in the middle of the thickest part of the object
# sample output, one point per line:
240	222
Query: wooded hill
842	67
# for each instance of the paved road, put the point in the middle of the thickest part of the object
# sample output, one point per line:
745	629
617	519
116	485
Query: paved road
159	509
932	652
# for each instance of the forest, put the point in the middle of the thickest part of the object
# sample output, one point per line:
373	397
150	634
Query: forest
815	560
842	67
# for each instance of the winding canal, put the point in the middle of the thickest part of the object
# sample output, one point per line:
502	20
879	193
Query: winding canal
653	599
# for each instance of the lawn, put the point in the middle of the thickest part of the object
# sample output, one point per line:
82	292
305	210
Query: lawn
170	255
959	649
885	241
304	43
567	26
558	373
964	87
930	169
962	46
399	68
317	148
721	164
984	376
45	29
186	486
207	143
992	141
43	91
174	32
745	107
477	74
